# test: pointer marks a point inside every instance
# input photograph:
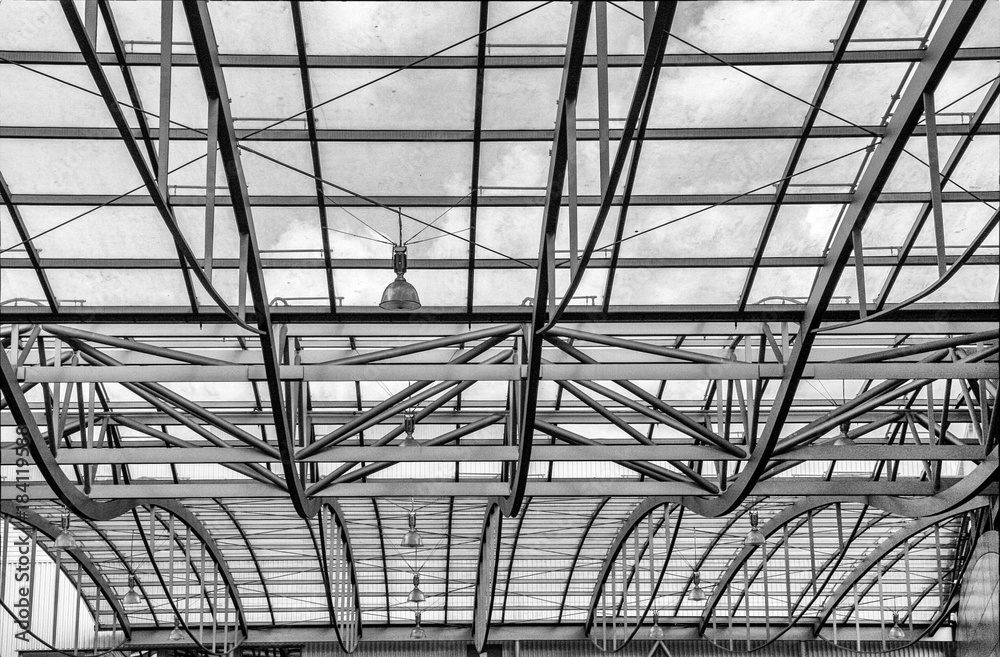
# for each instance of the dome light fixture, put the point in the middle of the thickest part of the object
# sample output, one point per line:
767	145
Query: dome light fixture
844	439
176	634
409	423
656	632
417	632
131	597
412	537
65	540
755	537
416	595
896	631
697	594
400	294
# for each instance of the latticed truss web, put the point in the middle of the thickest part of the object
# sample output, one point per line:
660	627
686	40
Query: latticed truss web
772	265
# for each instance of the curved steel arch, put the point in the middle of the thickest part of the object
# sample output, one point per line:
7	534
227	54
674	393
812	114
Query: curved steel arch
579	550
881	551
513	553
486	574
347	619
201	533
253	556
33	519
952	29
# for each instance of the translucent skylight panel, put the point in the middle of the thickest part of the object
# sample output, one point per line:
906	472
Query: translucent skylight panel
962	90
516	99
911	173
513	168
724	27
253	109
697	167
979	168
722	231
226	237
969	284
20	284
693	97
390	28
292	177
288	232
861	93
120	287
253	28
802	230
392	168
543	31
828	166
188	103
36	26
847	287
643	287
437	287
504	287
71	166
296	284
108	232
984	31
414	99
898	19
771	282
43	101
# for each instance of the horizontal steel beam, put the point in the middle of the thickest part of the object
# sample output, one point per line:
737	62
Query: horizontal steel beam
901	55
504	372
735	198
924	318
493	453
337	135
267	262
480	489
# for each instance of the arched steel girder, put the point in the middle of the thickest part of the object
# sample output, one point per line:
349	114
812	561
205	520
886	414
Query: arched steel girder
947	500
954	25
829	567
704	555
881	551
579	550
201	533
207	53
513	554
338	565
32	519
253	556
486	573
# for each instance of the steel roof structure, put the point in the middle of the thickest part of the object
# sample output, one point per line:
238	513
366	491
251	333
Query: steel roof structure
692	274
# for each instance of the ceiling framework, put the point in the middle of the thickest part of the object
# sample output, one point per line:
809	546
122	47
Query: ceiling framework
764	296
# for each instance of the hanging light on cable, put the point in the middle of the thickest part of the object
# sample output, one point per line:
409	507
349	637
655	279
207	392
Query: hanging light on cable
131	597
412	537
844	439
176	634
896	631
416	595
400	294
697	594
417	632
409	424
656	632
65	539
755	537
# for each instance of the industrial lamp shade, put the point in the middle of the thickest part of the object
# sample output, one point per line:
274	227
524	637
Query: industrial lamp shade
896	632
65	540
131	597
416	595
412	537
755	537
176	634
697	593
844	439
417	632
656	632
400	295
